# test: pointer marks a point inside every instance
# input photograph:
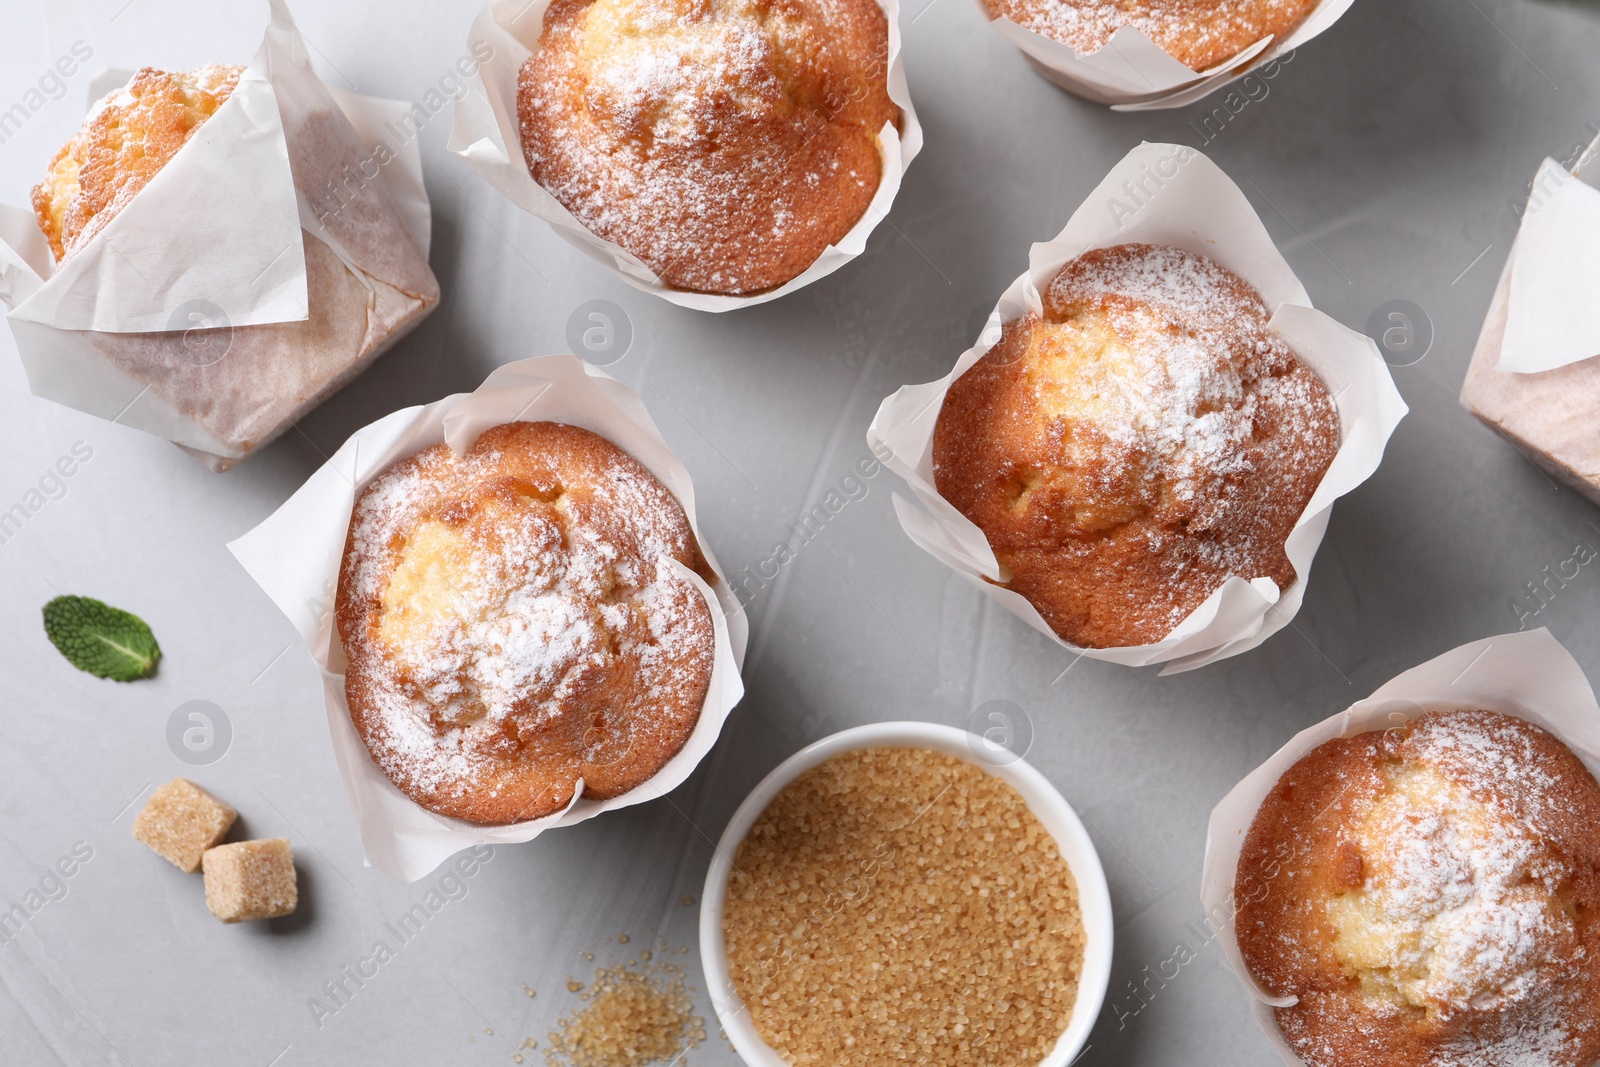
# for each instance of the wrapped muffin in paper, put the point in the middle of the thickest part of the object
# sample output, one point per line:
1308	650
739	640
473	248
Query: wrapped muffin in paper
266	263
1130	70
1172	196
743	159
1528	676
1534	376
297	553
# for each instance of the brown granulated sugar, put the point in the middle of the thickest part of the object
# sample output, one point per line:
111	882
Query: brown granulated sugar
637	1013
900	906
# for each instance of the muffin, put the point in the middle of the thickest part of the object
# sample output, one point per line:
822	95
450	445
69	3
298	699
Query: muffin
124	142
1197	33
232	389
514	628
1144	440
725	143
1429	895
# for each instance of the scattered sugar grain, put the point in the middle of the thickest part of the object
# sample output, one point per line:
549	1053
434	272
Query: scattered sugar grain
633	1017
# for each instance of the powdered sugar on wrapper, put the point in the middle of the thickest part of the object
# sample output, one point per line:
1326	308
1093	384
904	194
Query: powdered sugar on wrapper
485	133
1132	72
246	282
296	555
1470	881
1190	204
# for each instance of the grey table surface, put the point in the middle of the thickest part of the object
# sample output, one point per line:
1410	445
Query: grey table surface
1385	159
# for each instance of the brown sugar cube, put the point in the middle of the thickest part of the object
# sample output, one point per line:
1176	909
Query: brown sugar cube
181	820
251	880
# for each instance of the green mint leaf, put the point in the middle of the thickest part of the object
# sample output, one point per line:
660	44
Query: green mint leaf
103	640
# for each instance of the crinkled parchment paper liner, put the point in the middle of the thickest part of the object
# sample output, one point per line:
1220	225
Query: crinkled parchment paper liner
1528	675
1133	73
223	251
484	133
1191	204
296	553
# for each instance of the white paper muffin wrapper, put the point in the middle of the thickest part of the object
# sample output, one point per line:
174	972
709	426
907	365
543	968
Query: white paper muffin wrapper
220	225
1547	291
295	556
1133	73
1188	203
484	133
1527	674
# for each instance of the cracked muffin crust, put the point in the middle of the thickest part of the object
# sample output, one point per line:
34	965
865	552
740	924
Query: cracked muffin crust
725	143
513	624
1429	894
1197	33
1146	439
125	141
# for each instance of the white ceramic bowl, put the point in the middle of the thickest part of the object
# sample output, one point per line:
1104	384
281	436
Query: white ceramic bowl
1043	800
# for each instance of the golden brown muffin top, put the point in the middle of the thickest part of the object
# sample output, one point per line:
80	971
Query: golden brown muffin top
1198	33
1145	440
512	623
1429	894
726	143
124	142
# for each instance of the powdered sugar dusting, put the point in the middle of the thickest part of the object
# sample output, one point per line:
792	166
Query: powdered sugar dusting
1460	913
1539	1038
725	144
1195	398
667	91
1142	440
1428	895
501	607
1481	746
1458	908
1200	33
1189	401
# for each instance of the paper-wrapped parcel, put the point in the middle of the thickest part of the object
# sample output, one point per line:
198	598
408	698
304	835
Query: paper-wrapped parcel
266	264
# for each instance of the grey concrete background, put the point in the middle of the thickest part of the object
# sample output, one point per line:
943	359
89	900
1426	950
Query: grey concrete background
1385	159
